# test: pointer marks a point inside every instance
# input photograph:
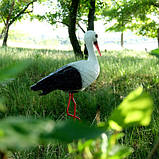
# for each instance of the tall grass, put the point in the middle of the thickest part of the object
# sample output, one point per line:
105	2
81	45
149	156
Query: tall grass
121	72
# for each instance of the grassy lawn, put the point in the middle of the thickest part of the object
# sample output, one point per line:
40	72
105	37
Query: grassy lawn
121	72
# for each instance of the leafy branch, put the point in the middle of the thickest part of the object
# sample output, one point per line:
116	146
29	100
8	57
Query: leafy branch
23	11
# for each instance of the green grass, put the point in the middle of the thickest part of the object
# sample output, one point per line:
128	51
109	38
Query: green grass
121	72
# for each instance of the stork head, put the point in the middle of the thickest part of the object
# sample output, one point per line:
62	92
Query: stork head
91	36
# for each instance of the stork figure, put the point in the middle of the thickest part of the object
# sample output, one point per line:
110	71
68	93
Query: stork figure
75	76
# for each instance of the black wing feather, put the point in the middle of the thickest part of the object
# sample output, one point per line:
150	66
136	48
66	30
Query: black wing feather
66	79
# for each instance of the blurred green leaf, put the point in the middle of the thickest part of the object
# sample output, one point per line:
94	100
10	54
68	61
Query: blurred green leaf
67	131
136	109
82	145
10	72
19	133
120	152
155	52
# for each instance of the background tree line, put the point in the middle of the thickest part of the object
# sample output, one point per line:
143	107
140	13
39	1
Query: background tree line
140	16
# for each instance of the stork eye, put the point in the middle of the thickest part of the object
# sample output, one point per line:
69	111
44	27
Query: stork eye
96	35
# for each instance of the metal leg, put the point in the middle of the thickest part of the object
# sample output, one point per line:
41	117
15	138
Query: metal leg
74	115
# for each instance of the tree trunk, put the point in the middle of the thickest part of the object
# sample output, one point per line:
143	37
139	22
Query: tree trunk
90	22
91	15
158	37
2	33
72	28
7	25
122	39
5	37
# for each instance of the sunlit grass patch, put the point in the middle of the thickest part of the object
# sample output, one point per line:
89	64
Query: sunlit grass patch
121	72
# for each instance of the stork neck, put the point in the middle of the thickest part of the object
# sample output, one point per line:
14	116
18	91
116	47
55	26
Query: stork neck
91	53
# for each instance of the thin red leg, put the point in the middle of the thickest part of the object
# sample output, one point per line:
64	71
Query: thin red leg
74	115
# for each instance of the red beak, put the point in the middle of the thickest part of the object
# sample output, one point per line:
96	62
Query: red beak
97	47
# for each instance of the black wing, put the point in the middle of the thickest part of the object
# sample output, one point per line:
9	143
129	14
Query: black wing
66	79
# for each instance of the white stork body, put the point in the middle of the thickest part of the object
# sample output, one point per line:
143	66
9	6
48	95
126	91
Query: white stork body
89	69
75	76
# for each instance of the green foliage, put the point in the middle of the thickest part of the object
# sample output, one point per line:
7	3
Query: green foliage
146	28
20	133
136	109
105	147
10	9
59	12
15	9
114	13
155	52
138	15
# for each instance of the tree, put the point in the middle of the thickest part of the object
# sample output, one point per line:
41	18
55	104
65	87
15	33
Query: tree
71	13
146	18
12	11
67	13
72	27
117	18
137	15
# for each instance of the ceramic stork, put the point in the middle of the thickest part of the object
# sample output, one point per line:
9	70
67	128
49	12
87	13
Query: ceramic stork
75	76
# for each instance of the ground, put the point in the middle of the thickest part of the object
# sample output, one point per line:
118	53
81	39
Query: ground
121	72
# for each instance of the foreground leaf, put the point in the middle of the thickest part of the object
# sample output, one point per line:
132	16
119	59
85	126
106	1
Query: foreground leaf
136	109
18	133
67	131
120	152
155	52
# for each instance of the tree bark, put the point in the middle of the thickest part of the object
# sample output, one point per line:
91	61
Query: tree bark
122	39
5	37
90	22
91	15
72	28
2	33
